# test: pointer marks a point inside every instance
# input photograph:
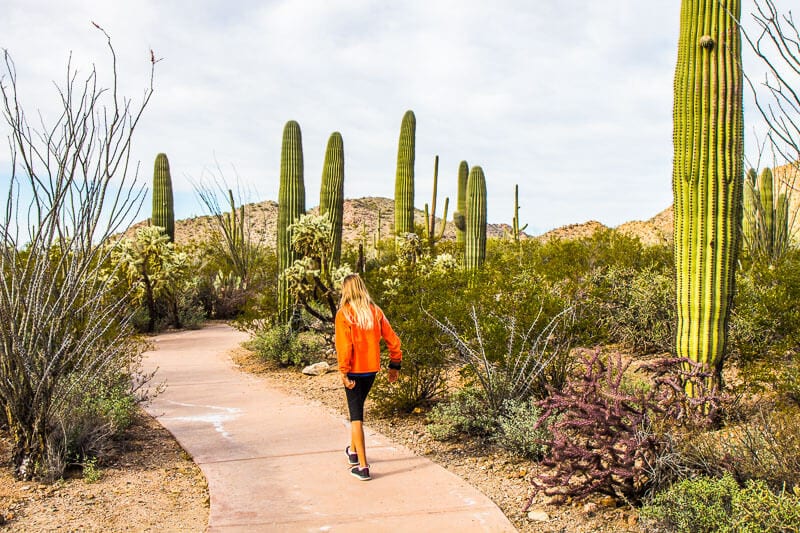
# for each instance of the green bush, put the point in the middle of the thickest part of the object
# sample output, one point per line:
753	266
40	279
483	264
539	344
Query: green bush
765	322
634	306
721	505
519	433
281	345
464	413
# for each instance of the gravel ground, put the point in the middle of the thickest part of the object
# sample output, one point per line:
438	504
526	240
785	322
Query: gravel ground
147	483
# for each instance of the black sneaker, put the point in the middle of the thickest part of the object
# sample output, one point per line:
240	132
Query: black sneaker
352	458
360	473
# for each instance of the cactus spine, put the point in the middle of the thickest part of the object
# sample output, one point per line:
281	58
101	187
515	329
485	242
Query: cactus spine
475	239
430	220
707	178
404	180
765	225
461	203
163	211
291	204
331	196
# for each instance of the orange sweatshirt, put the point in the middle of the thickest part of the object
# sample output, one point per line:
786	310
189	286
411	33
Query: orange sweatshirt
359	350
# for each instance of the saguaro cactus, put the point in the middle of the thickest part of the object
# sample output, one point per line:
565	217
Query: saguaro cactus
461	203
404	180
163	211
291	204
515	229
707	178
331	196
765	224
430	218
475	245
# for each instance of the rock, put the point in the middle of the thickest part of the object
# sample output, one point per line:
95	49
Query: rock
556	499
538	516
608	501
317	369
590	508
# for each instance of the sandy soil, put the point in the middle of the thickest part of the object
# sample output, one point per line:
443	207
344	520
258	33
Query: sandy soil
148	483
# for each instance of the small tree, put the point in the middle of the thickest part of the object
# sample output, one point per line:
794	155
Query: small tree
71	188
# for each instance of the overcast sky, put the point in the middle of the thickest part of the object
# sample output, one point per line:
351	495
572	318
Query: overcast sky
570	99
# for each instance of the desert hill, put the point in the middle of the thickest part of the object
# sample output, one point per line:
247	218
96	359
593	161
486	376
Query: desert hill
361	219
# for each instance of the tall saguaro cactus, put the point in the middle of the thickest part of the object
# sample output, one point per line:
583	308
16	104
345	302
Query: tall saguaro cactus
331	196
765	224
404	179
430	214
163	211
707	178
461	203
291	204
475	239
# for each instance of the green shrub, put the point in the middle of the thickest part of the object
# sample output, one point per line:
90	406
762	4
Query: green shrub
765	322
719	505
519	432
281	345
417	385
634	306
464	413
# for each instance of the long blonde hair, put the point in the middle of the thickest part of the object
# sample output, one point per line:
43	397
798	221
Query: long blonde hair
354	292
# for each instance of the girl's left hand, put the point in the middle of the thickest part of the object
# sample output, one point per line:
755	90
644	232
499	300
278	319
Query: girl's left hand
347	382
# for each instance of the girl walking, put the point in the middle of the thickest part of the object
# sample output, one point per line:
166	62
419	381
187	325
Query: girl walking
360	325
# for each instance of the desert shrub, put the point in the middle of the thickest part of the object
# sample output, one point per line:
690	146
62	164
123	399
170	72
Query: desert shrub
282	345
634	306
601	434
402	290
417	385
764	448
519	432
464	413
720	505
765	321
527	362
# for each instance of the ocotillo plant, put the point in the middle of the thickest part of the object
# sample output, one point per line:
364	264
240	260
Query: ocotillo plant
707	178
765	224
163	212
461	202
331	196
475	241
404	180
430	219
291	204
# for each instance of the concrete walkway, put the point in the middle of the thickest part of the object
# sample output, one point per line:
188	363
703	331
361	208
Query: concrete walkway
275	463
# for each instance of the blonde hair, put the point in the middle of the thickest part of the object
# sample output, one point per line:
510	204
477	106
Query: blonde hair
354	292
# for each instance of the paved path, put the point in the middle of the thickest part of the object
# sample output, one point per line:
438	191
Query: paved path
276	463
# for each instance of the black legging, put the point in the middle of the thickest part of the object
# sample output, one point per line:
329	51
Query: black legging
358	395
